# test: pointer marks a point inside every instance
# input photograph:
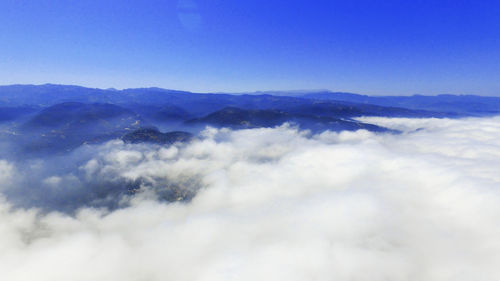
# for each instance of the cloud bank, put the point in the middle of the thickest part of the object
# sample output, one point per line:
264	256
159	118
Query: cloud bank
269	204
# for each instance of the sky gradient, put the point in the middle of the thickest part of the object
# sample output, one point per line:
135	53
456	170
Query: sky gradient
370	47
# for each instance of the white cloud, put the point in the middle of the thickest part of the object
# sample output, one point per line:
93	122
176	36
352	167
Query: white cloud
6	172
276	204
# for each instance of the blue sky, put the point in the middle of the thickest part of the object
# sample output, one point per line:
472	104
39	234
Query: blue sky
371	47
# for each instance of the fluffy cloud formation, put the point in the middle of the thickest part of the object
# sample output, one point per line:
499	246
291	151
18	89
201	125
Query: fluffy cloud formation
277	204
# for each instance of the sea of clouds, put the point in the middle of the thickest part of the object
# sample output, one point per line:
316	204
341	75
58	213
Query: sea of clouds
269	204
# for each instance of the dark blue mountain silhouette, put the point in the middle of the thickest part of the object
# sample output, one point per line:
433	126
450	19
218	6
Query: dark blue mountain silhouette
458	104
56	118
153	135
68	125
238	118
198	105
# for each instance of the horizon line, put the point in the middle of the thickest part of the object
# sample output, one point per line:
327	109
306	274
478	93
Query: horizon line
297	92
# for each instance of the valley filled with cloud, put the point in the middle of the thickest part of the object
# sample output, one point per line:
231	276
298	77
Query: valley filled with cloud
189	140
275	203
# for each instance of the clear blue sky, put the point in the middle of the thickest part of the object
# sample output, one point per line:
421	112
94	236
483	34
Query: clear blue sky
372	47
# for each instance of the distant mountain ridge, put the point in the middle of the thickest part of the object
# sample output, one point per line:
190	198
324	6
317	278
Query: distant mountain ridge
459	104
68	125
238	118
199	104
59	118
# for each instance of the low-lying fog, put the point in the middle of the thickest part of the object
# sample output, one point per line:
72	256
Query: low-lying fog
262	204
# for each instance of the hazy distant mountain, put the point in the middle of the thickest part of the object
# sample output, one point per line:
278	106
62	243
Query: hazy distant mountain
55	118
459	104
197	105
50	94
79	114
68	125
13	113
238	118
243	118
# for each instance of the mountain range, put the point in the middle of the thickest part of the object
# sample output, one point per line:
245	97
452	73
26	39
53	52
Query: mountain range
58	118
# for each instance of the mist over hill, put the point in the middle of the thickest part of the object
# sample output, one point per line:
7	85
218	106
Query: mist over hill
139	184
417	205
50	124
56	118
